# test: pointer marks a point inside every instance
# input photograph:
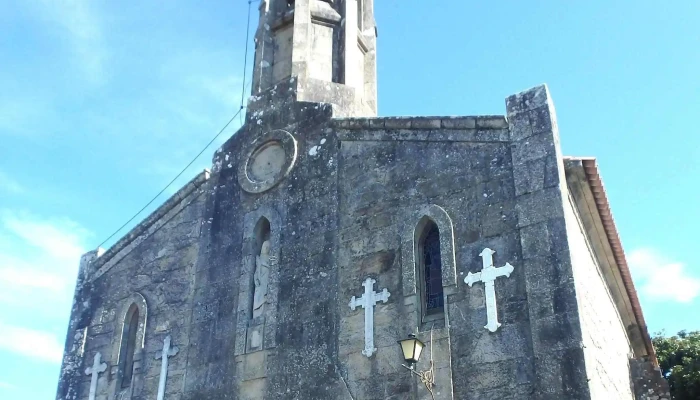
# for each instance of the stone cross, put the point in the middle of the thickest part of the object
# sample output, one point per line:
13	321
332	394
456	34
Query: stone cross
167	352
367	301
488	275
97	367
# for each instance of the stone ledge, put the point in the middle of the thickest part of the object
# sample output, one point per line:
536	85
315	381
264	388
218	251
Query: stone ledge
425	135
152	219
466	122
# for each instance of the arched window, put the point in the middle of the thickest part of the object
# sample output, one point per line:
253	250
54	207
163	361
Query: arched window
429	268
128	345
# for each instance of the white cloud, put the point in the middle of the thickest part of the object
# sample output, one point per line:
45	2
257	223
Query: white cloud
39	260
39	345
60	238
661	279
9	184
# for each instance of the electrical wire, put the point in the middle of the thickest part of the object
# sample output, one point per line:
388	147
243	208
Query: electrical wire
243	90
174	179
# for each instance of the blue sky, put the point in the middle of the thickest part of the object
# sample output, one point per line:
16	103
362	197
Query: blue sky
103	102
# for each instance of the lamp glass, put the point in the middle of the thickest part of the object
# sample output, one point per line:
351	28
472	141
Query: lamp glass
411	349
417	349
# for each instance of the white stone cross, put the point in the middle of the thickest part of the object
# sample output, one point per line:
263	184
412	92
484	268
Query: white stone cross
488	275
97	367
367	301
167	352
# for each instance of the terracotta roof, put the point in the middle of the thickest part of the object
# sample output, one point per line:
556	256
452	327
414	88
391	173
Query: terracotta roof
595	183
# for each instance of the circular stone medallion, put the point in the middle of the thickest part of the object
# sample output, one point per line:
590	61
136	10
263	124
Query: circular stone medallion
268	160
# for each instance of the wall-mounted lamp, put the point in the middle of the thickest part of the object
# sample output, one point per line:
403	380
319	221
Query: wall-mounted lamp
411	348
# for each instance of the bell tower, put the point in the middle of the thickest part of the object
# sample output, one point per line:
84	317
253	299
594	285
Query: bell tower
320	51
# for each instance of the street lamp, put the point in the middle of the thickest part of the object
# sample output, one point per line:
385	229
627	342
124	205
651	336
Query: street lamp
411	348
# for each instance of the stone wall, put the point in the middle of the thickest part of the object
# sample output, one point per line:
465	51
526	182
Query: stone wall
456	171
344	207
606	347
153	266
541	192
298	356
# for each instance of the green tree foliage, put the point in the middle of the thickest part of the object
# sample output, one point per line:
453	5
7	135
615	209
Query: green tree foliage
679	358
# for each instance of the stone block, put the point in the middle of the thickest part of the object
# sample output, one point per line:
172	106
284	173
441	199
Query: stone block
376	123
530	176
539	206
341	122
491	135
547	272
467	376
541	119
253	389
398	385
459	123
527	100
359	367
491	122
252	366
397	123
358	123
254	338
535	147
519	127
557	331
425	123
534	240
482	346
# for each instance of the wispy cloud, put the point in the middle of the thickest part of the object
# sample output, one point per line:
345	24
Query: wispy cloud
9	184
7	385
225	90
40	345
81	24
662	279
39	259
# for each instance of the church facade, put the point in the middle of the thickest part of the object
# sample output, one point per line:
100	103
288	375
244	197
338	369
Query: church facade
324	234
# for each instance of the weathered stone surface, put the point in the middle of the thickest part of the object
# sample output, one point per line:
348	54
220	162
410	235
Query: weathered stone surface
253	286
648	382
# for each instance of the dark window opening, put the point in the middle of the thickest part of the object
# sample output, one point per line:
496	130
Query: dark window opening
131	327
432	271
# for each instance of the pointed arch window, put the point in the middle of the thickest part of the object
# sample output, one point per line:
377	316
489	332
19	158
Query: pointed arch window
429	268
128	345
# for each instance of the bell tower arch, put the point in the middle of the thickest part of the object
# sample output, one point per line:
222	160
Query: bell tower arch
316	51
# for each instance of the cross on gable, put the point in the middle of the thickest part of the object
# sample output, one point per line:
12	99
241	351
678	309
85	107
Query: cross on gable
163	356
167	350
488	275
368	301
97	367
370	297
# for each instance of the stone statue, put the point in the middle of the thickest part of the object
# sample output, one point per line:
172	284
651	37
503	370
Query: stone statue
261	279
